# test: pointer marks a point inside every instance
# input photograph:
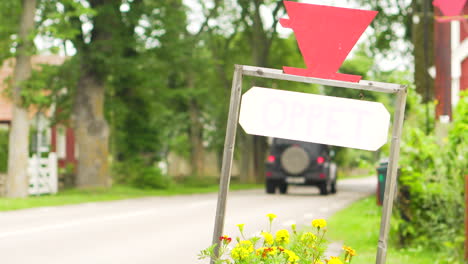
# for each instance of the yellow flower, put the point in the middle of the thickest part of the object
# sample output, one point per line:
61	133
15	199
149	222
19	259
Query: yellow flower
349	251
319	223
246	244
334	260
292	257
239	253
268	238
242	250
271	217
241	227
282	236
308	237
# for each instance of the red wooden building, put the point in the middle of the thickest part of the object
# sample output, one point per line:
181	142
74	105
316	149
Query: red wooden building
59	138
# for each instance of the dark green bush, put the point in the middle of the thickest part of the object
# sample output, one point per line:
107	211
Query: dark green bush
431	186
137	173
3	150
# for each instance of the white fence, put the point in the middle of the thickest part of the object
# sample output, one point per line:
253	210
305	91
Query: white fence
42	174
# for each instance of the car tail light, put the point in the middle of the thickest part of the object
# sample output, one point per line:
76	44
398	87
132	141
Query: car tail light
322	175
320	160
268	174
271	159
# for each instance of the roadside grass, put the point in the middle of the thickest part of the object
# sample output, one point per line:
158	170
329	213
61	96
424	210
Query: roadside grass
116	192
358	226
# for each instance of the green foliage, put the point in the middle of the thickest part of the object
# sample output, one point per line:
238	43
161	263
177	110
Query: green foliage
34	90
393	14
458	134
10	11
355	158
431	195
138	173
3	150
58	17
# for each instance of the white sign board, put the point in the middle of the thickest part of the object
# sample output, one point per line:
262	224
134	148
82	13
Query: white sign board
314	118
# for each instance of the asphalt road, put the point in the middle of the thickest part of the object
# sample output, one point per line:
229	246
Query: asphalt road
157	230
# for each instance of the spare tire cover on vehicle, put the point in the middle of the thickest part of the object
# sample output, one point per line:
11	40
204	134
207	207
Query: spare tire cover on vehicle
294	160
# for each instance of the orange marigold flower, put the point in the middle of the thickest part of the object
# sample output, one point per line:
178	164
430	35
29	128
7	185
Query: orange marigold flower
225	239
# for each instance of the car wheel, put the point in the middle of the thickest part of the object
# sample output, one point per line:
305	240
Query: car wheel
270	186
323	188
283	187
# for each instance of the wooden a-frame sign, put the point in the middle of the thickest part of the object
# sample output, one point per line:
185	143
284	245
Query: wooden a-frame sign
233	119
338	30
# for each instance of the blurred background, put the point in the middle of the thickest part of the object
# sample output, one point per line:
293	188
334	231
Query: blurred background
134	94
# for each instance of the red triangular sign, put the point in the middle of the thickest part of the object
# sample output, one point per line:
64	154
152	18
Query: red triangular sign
325	36
450	7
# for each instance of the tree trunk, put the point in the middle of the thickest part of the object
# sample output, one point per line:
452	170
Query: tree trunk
91	128
196	139
253	155
247	164
260	149
260	53
255	147
91	133
197	153
17	181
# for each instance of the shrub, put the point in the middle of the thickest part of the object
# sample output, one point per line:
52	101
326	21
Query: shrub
137	173
431	194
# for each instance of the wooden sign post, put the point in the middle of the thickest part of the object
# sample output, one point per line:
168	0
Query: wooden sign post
233	119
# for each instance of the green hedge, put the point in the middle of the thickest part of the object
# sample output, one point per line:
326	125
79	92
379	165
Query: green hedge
431	194
136	172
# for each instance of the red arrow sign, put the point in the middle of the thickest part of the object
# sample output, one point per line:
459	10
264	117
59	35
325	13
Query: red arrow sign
450	7
325	36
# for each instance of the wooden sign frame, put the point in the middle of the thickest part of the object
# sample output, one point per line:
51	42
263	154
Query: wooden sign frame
233	120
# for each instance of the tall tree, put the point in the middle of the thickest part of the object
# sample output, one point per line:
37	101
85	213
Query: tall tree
95	51
186	66
261	38
17	181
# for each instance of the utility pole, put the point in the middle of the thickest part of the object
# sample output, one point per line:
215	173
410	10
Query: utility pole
442	51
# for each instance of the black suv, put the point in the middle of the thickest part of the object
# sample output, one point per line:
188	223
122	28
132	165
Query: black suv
300	163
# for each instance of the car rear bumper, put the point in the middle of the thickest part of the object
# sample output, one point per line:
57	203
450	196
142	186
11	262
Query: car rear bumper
308	178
